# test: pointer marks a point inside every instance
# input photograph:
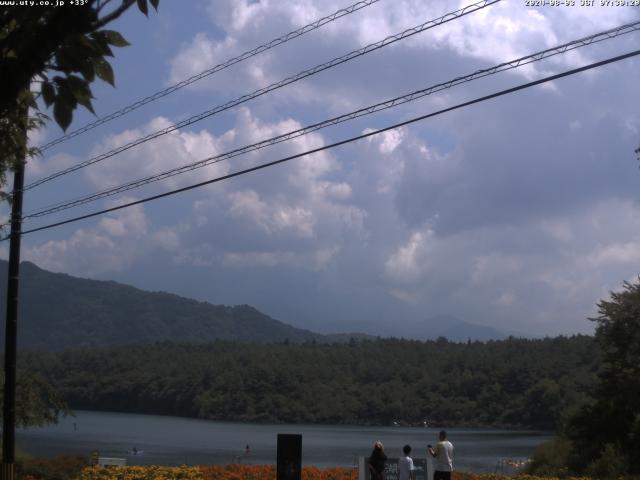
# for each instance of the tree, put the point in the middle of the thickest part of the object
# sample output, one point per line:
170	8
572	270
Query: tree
38	402
610	425
62	50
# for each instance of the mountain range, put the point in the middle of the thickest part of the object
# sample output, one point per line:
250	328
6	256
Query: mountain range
59	311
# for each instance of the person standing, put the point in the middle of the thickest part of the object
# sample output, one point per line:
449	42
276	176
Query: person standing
377	461
443	453
405	465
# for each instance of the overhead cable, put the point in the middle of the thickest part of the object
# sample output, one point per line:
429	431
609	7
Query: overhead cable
550	52
336	144
299	76
227	63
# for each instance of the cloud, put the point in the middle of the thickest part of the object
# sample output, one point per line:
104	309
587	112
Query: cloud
315	260
85	253
495	266
519	212
38	166
298	208
623	253
499	33
247	205
409	262
172	150
113	245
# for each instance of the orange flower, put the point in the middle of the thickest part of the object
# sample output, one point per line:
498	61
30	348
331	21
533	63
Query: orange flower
268	472
253	472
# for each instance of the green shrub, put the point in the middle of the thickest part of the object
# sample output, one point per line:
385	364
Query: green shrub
611	463
550	459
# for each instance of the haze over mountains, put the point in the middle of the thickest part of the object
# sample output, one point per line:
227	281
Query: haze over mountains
59	311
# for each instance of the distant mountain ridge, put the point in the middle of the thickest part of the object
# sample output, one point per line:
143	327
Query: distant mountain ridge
452	328
458	330
59	311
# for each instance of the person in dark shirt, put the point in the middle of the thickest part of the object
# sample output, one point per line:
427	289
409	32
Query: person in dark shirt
377	461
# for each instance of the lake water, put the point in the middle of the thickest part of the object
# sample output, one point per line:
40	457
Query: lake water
177	441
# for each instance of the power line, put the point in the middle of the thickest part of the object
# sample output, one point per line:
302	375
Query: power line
299	76
341	142
232	61
595	38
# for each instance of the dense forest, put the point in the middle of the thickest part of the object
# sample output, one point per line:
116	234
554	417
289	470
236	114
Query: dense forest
514	382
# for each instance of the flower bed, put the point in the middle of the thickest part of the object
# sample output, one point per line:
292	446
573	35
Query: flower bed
141	473
268	472
215	472
256	472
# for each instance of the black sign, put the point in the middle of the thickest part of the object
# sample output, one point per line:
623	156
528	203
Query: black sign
289	457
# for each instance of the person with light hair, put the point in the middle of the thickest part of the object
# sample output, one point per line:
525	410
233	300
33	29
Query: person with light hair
443	453
377	461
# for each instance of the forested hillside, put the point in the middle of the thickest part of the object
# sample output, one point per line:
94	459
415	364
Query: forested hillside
58	311
515	382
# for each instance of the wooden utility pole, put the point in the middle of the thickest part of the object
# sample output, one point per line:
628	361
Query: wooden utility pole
11	330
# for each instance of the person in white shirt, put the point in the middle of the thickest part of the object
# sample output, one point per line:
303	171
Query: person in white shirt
443	453
405	465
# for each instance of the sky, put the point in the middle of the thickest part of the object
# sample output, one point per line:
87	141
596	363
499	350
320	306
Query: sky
519	213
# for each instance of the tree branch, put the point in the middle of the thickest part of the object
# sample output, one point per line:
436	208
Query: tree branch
113	15
101	5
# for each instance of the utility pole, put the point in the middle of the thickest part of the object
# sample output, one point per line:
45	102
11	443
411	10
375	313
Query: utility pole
11	329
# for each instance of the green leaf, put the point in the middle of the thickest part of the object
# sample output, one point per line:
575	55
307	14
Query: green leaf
100	44
115	38
87	71
154	3
48	94
81	91
104	71
63	113
74	52
31	101
76	83
86	103
142	5
65	95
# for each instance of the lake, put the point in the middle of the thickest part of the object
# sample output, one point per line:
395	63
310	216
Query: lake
175	441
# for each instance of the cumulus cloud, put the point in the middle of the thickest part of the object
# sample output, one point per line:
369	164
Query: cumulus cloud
248	206
520	212
113	245
499	33
302	205
410	261
38	166
175	149
314	260
623	253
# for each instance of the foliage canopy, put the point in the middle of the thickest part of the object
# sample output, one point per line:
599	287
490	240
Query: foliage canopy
57	52
602	438
515	382
611	422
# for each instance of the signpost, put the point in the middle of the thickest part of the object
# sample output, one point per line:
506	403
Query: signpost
289	455
423	469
